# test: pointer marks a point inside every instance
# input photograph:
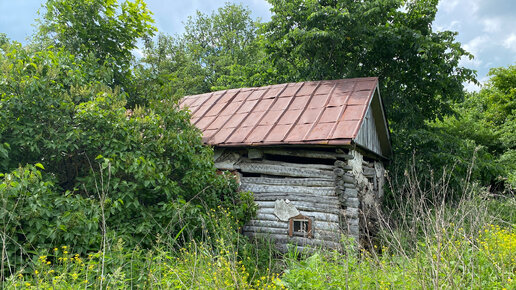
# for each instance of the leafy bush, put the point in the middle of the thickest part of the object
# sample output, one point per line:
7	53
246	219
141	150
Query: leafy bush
35	215
145	171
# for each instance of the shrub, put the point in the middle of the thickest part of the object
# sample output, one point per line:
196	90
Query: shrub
145	171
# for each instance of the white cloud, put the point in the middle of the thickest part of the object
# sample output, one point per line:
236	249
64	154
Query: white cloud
477	44
491	25
510	42
448	5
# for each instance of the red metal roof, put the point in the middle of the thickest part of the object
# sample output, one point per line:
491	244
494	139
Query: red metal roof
321	112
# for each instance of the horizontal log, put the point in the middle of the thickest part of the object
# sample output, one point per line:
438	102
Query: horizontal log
317	217
318	225
351	212
318	234
268	224
345	179
332	211
290	164
302	241
343	165
327	236
321	216
265	230
326	226
305	206
287	181
302	153
284	170
352	202
369	171
273	196
262	188
351	192
352	222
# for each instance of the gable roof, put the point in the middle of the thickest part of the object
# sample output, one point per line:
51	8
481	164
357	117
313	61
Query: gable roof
316	112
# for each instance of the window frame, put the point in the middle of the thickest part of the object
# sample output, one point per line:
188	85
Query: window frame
300	218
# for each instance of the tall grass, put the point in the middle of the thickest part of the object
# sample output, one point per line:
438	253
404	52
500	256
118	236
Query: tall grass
426	240
225	259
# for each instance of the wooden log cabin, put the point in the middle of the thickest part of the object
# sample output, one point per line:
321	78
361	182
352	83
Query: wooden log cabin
313	154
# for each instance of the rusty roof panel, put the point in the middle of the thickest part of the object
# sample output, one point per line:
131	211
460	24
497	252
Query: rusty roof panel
320	131
271	117
316	112
330	115
290	117
354	112
309	116
345	129
291	89
258	134
307	89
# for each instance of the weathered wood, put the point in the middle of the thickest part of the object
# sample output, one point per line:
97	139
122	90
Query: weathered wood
326	201
268	224
290	164
288	181
318	234
305	206
315	215
285	239
285	170
302	153
327	236
345	179
369	171
351	192
351	212
320	216
265	230
254	154
343	165
259	188
352	202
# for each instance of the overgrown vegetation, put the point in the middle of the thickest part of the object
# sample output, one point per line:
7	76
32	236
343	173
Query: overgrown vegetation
105	183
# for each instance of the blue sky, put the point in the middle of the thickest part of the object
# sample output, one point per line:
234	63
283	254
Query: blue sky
487	28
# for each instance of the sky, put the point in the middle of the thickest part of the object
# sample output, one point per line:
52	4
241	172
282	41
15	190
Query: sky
487	28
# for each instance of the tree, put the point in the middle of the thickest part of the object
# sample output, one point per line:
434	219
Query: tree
216	52
147	167
392	39
488	119
101	29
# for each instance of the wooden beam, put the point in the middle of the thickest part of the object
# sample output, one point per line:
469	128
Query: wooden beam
259	188
302	153
284	170
316	182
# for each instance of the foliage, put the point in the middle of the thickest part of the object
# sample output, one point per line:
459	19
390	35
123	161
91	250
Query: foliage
145	169
34	214
217	51
418	68
485	262
488	119
110	35
228	263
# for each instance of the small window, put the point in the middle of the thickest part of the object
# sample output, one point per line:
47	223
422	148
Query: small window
300	226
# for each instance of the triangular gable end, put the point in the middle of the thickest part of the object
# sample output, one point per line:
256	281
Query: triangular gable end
373	134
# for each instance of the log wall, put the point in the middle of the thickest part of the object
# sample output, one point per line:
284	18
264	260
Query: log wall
319	184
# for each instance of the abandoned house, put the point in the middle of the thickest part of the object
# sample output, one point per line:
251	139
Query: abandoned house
313	154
